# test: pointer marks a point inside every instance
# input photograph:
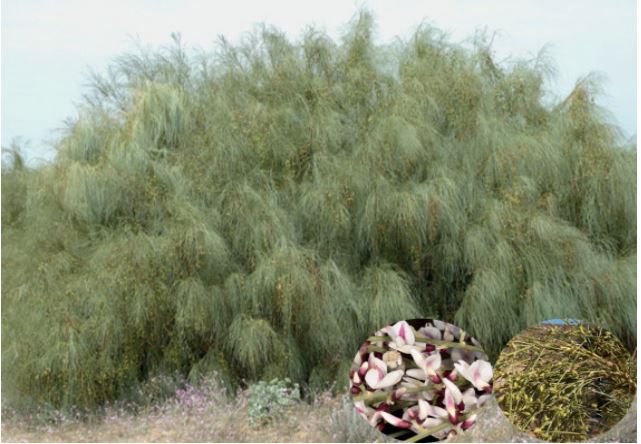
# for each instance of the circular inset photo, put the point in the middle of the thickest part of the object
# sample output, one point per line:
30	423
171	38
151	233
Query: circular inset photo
565	380
420	380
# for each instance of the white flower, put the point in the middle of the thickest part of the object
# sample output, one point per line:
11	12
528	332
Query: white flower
416	373
402	335
479	373
425	409
469	422
453	399
377	376
396	421
429	365
430	332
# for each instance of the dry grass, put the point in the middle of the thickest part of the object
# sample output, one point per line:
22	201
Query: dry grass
199	419
219	420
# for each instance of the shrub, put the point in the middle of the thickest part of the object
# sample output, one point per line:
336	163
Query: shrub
263	207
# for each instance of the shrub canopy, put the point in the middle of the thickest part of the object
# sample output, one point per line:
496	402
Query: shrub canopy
259	210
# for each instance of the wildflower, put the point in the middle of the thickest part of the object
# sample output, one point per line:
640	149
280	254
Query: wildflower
396	421
479	373
453	400
377	376
469	422
428	410
429	365
402	335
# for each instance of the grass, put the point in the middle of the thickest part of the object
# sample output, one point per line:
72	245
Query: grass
202	413
208	415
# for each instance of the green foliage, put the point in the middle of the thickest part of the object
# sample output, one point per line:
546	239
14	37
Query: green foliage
268	399
259	210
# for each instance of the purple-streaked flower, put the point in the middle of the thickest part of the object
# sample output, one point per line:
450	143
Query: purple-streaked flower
425	409
396	421
402	335
425	415
453	400
451	375
479	373
469	422
377	376
416	373
429	365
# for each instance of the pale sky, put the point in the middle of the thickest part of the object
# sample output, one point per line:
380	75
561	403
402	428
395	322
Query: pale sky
49	46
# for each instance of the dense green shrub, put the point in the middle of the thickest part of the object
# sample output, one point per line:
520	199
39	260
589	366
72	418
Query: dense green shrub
260	209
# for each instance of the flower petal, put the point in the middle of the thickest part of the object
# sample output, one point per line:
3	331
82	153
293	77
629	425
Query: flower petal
469	422
432	363
375	418
416	373
460	354
372	378
450	404
395	421
436	412
462	367
423	409
407	333
411	413
450	387
389	330
440	324
469	397
392	359
390	379
404	331
481	373
376	363
432	422
431	332
418	357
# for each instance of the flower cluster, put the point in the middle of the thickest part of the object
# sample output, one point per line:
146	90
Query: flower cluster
414	383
